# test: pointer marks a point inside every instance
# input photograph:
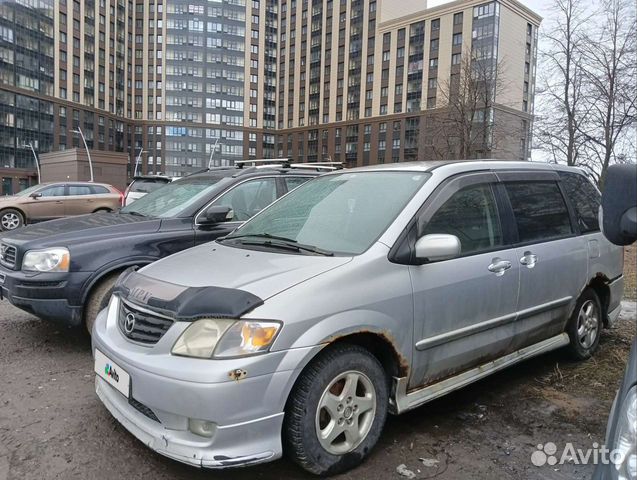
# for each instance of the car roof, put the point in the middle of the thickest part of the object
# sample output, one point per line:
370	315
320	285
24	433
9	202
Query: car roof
460	166
69	182
163	178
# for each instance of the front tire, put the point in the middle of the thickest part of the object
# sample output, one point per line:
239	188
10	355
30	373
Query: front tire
98	299
337	410
585	326
10	219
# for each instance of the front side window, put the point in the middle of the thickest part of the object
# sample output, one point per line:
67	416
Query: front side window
56	191
293	182
471	215
249	198
338	213
540	211
585	199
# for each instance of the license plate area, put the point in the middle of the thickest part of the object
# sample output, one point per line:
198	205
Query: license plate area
112	373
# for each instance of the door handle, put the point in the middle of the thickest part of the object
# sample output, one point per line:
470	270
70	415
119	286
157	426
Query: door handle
529	260
499	266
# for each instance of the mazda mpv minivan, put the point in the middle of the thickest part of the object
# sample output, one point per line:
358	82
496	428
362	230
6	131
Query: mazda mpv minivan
361	292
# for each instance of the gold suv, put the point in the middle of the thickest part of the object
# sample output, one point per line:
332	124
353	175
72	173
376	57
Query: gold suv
47	201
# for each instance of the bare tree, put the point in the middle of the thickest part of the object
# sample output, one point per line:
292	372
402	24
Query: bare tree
610	67
466	126
560	90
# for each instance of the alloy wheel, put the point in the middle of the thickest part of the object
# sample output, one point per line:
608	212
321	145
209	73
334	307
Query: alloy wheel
345	413
10	221
588	324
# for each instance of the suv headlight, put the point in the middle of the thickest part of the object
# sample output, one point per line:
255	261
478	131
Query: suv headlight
217	338
47	260
625	441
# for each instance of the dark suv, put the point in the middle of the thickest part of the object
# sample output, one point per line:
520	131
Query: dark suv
64	270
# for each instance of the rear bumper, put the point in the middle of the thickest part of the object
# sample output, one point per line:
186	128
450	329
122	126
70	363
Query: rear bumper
46	295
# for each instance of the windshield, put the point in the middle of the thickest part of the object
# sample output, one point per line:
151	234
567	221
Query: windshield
172	199
343	213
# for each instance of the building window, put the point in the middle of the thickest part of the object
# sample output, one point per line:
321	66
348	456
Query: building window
455	59
435	24
457	39
457	18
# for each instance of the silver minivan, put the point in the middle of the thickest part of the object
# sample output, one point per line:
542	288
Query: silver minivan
361	292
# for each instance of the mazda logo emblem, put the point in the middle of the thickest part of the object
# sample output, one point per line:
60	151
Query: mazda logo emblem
129	323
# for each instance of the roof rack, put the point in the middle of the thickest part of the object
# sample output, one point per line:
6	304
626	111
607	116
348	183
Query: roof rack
318	165
284	162
287	163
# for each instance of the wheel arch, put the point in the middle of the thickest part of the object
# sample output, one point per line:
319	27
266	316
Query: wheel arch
18	209
599	284
95	279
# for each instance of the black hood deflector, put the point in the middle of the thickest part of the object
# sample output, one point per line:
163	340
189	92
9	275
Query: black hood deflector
184	303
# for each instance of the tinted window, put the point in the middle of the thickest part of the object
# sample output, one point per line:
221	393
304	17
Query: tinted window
99	189
56	191
472	216
585	198
540	210
79	190
249	198
293	182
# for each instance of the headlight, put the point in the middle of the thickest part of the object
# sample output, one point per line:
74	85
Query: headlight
47	260
625	441
225	338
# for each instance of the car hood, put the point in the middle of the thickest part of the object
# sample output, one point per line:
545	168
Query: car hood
80	229
221	274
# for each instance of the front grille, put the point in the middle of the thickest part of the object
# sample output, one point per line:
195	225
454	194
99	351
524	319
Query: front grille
143	409
8	254
142	326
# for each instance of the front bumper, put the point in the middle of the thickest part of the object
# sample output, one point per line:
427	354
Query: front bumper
166	391
50	296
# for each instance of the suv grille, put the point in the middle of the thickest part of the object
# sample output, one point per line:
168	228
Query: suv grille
141	326
8	254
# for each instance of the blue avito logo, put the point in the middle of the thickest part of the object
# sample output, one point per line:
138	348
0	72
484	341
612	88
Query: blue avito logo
109	371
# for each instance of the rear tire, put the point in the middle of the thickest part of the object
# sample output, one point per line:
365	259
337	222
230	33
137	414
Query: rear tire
98	299
584	328
10	219
336	411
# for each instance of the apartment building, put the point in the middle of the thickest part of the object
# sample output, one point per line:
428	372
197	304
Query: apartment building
179	84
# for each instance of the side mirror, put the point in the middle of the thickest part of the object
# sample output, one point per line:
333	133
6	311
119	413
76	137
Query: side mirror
35	195
619	205
436	247
216	214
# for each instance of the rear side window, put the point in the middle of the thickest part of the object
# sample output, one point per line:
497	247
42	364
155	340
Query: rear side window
585	198
99	189
79	190
540	210
472	216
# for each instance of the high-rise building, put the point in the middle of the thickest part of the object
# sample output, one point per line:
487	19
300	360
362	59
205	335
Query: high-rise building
181	83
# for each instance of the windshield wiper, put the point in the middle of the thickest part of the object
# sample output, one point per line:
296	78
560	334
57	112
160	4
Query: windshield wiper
277	242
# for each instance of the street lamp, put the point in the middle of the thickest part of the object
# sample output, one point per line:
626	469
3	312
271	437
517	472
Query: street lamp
35	157
137	162
212	152
90	163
